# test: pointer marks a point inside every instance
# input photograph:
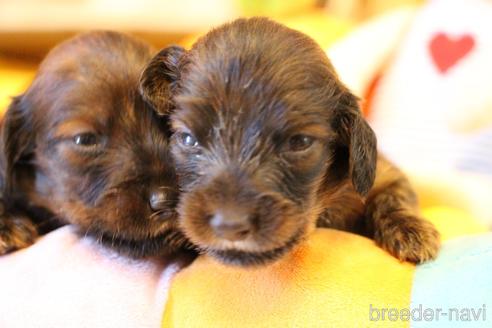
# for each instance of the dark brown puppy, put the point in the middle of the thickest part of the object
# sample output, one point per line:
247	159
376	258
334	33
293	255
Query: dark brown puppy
81	146
268	142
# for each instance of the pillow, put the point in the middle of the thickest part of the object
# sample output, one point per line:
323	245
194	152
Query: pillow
337	279
66	281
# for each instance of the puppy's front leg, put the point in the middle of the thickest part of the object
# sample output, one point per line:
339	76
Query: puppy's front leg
16	231
394	220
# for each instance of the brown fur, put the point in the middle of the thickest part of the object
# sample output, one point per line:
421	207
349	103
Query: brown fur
87	87
268	142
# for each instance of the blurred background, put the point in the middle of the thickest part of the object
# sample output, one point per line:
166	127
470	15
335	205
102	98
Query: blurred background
29	28
421	67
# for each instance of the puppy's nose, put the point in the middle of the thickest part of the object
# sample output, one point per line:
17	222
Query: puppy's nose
162	198
231	226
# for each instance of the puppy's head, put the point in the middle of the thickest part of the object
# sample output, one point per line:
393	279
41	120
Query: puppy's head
82	143
263	129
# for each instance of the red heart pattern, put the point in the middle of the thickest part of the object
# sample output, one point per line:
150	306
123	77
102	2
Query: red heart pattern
446	51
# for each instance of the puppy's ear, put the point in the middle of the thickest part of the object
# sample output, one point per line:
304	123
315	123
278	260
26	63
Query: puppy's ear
160	77
16	141
360	140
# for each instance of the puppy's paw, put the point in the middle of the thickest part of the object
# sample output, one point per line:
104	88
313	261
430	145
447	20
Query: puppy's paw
408	237
16	232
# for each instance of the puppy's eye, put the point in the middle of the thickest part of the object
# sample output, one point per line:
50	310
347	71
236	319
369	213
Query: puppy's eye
86	139
299	142
188	140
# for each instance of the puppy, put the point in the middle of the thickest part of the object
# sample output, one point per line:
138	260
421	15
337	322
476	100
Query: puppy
268	143
81	146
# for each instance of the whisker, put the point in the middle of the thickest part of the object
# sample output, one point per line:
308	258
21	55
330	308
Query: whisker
153	215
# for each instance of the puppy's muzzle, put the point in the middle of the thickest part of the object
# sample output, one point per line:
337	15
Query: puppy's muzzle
231	224
162	198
